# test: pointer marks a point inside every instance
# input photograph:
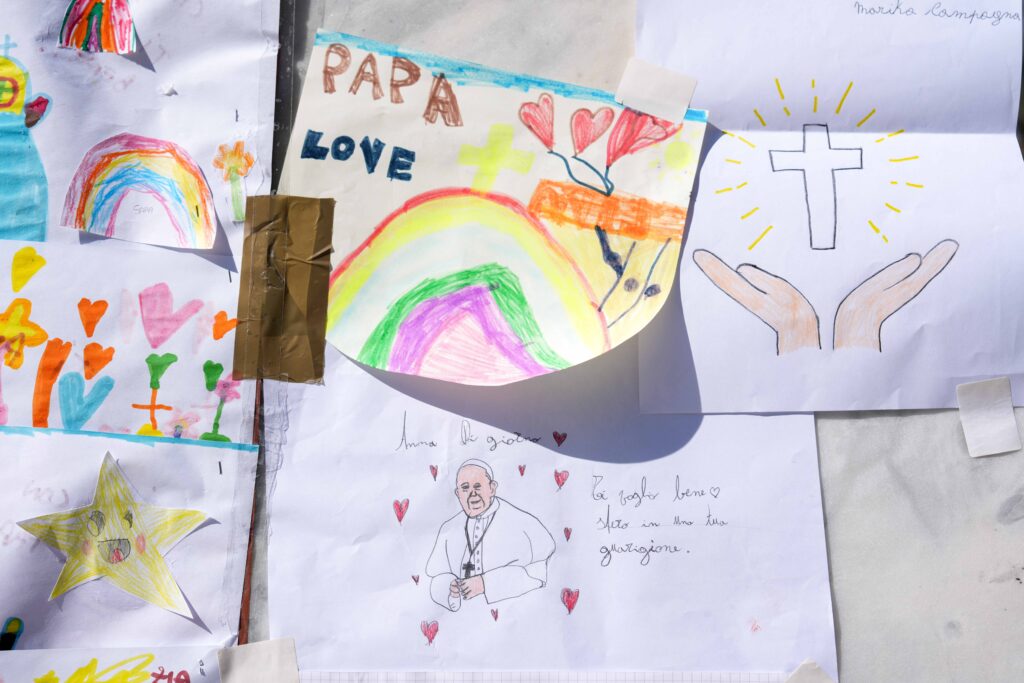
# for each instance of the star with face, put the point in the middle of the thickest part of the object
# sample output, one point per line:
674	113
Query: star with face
119	538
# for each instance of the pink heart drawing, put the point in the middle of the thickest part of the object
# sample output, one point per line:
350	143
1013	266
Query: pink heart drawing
568	532
429	629
433	472
416	579
159	319
522	470
560	437
539	117
588	126
569	598
400	509
494	613
560	477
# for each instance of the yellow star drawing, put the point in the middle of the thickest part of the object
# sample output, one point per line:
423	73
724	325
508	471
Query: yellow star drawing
119	538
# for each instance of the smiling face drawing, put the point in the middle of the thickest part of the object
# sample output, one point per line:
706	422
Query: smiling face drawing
475	489
120	538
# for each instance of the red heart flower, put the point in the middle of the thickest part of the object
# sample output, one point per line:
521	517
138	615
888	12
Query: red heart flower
539	117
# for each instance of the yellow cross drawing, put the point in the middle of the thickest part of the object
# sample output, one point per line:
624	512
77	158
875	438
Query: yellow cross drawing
119	538
494	157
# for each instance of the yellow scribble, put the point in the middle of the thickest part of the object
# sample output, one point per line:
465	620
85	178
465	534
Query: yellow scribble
839	107
900	159
760	237
724	189
865	119
746	141
877	231
892	208
750	213
915	185
815	109
742	185
132	670
760	118
890	135
786	109
734	161
778	86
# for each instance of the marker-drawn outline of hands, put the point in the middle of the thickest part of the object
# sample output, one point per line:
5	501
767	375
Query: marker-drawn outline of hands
859	318
771	298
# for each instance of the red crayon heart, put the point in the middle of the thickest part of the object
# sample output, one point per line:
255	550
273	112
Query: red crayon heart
400	509
560	437
539	117
522	470
429	629
560	477
416	579
588	126
569	598
494	613
568	532
433	472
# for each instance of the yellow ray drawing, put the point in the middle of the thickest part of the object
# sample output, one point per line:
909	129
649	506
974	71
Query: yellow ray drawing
120	538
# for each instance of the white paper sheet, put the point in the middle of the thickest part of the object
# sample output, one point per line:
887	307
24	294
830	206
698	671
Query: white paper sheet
365	483
986	414
920	111
157	303
47	472
150	664
203	76
269	660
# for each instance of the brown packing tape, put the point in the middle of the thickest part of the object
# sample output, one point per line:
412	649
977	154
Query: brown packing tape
282	303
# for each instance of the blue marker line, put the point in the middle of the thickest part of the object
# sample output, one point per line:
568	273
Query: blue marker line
132	438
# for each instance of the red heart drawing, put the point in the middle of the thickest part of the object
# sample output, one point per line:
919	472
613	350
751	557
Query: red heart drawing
560	437
96	358
90	312
539	117
569	598
568	532
635	130
522	470
159	319
433	472
429	629
560	477
494	613
588	126
416	579
400	509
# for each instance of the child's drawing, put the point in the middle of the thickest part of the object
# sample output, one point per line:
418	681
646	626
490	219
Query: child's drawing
858	320
120	538
490	548
493	227
129	167
99	26
23	204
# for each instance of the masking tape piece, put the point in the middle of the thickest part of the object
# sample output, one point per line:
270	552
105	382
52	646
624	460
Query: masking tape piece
655	90
267	660
282	302
809	672
986	414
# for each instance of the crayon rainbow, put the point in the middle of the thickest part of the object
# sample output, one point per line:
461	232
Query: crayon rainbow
129	163
99	26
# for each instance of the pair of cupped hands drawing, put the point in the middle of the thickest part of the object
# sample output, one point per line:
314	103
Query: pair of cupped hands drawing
858	320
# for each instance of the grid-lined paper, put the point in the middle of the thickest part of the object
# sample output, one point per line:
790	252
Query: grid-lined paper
539	676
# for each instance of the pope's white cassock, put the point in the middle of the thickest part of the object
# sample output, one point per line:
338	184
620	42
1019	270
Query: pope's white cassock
510	549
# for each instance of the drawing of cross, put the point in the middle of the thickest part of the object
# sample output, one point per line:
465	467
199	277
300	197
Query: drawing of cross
8	45
494	157
818	161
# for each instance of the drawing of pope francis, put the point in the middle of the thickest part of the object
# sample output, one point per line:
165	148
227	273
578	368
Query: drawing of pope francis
490	548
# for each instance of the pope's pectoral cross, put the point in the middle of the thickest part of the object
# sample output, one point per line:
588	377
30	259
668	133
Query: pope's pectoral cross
468	569
818	160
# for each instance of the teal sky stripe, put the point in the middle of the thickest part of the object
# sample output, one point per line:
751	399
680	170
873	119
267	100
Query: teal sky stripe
133	438
463	73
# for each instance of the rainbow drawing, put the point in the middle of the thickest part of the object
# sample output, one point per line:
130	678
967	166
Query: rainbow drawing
129	163
99	26
514	306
